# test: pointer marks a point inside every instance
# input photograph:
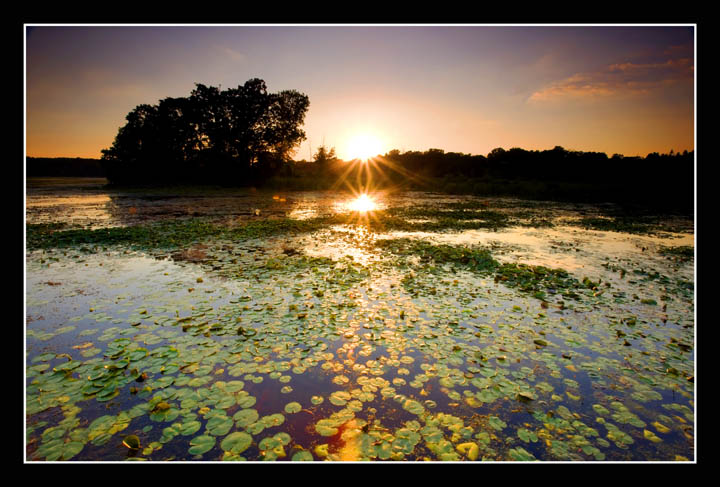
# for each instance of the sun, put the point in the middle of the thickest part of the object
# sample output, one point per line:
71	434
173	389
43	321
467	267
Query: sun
363	147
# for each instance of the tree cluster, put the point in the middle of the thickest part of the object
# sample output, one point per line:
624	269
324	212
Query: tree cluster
237	136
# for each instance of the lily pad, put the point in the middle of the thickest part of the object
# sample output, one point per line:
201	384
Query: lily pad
201	444
245	417
273	420
219	425
519	454
246	401
340	398
413	406
326	427
496	423
293	407
190	427
470	450
302	456
132	442
236	442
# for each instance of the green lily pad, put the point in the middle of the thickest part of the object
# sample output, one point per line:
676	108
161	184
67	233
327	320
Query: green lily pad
246	401
201	444
340	398
326	427
168	433
269	443
256	428
283	438
413	406
190	427
293	407
137	354
497	423
600	409
163	382
219	425
302	456
526	435
273	420
224	401
57	449
519	454
236	442
234	386
245	417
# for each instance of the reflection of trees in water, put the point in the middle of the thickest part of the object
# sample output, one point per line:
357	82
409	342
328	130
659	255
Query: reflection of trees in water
73	201
78	202
90	202
134	209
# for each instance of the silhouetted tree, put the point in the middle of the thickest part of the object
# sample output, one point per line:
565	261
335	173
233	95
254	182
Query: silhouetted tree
324	158
240	135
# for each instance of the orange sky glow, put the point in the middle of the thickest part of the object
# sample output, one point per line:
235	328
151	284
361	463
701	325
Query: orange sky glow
466	88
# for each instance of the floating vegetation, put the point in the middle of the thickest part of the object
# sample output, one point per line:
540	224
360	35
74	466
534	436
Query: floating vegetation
536	280
196	341
643	224
682	253
164	234
475	259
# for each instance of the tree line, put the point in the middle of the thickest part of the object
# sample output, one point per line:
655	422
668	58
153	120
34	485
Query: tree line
557	164
63	167
662	182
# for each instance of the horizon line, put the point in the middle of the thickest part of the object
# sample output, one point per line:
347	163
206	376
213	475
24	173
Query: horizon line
437	148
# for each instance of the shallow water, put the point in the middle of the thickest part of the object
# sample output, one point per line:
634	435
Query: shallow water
342	351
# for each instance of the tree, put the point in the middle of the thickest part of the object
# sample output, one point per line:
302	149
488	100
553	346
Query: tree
324	157
233	136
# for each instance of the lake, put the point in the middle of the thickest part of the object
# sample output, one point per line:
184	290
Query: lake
213	324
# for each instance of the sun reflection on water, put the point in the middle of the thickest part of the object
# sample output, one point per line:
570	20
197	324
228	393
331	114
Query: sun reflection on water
362	204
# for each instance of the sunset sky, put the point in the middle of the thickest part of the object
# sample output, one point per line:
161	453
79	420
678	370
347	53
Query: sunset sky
613	89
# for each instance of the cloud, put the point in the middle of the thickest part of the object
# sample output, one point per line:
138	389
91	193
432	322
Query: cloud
576	86
626	79
234	55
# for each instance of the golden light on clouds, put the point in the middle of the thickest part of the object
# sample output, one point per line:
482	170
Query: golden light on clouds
619	80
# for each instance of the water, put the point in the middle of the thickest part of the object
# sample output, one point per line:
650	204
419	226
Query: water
342	351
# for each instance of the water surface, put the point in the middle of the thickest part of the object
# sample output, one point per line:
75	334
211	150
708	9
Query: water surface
325	346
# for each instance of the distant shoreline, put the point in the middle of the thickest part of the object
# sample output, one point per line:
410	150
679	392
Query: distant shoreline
63	167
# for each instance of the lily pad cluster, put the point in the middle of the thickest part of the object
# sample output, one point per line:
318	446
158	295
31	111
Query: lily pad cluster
260	352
